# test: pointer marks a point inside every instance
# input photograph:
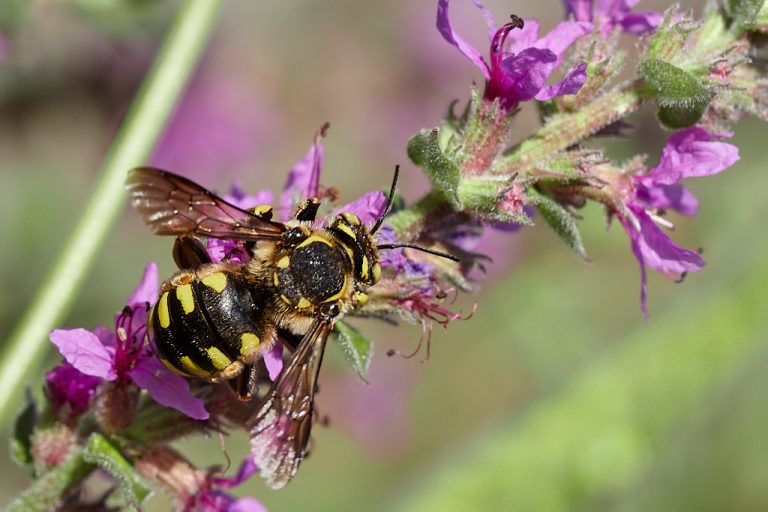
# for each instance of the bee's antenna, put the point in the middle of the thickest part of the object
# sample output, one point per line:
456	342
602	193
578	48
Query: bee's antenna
390	200
419	248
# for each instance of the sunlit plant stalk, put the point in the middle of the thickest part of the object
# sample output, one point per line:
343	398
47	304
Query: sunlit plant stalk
142	126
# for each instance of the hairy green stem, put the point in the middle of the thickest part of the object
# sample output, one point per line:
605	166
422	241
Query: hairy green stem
558	134
143	125
564	130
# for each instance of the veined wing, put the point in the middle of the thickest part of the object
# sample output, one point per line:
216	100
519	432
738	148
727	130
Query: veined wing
173	205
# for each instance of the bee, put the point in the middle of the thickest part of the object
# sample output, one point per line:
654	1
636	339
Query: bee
215	320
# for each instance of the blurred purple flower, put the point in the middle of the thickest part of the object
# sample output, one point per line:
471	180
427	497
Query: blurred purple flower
211	499
216	128
519	70
610	14
120	355
692	152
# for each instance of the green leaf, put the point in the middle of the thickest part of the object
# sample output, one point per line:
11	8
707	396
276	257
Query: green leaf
744	13
562	222
356	347
424	151
21	444
681	97
101	452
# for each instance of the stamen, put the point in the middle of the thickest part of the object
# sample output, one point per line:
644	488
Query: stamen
661	221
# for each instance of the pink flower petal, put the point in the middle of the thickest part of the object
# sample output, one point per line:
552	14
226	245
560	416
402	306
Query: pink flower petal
367	207
148	289
83	350
445	29
273	359
693	152
167	388
571	84
304	177
639	23
668	197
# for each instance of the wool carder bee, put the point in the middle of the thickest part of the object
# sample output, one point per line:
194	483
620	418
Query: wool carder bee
215	320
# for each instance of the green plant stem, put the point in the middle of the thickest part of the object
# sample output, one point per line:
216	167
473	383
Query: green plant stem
140	130
558	134
564	130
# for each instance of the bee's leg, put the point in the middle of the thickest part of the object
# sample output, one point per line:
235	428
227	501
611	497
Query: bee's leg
307	209
244	385
189	252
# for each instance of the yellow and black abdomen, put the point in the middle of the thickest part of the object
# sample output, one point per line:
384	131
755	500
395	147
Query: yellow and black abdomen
201	328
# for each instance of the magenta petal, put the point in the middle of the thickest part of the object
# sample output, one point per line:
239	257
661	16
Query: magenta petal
525	37
668	197
238	197
660	253
527	72
488	17
147	290
273	360
639	23
444	26
304	178
83	350
560	38
67	385
581	9
571	84
246	504
367	207
167	388
693	153
247	469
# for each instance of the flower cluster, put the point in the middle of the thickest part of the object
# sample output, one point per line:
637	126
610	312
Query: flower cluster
112	403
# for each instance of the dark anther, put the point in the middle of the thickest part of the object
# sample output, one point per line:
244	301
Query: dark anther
391	352
517	21
700	250
681	278
127	311
147	305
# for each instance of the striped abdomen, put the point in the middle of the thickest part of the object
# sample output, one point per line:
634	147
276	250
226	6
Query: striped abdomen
201	328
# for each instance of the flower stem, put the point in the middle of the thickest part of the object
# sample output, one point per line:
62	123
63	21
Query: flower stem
564	130
140	130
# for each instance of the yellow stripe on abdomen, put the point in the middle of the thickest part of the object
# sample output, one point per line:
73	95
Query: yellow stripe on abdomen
185	296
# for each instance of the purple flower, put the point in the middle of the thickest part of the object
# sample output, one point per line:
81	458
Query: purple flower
120	355
216	128
610	14
520	67
219	248
211	499
304	178
688	153
69	388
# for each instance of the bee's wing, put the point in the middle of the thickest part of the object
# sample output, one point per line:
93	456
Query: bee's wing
281	426
173	205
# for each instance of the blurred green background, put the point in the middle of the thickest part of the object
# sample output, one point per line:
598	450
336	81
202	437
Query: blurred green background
556	395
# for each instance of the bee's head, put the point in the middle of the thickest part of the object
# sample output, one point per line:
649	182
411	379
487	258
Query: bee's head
358	242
